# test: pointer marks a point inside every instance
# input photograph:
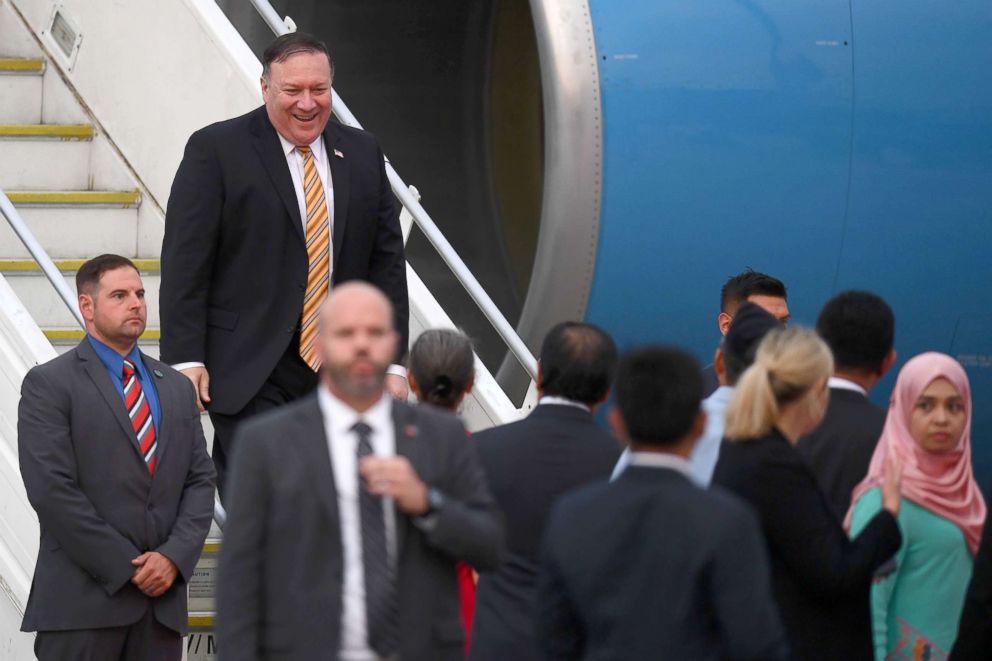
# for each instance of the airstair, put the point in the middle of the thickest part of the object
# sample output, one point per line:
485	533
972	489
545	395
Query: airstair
92	127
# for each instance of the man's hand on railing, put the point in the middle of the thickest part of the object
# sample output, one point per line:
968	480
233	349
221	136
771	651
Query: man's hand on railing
201	383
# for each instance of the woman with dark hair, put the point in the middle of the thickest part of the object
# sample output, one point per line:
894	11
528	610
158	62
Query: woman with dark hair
441	373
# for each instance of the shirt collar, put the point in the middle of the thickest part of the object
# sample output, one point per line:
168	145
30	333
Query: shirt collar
661	460
562	401
845	384
112	360
342	417
317	147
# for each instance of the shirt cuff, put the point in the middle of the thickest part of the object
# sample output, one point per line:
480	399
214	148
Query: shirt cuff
398	370
179	367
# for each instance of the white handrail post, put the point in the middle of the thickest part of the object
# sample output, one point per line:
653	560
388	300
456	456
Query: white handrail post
38	253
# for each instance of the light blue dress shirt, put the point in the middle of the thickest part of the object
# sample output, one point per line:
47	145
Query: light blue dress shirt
704	456
114	363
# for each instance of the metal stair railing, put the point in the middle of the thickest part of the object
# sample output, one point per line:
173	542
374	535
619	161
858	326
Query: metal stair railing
54	276
518	348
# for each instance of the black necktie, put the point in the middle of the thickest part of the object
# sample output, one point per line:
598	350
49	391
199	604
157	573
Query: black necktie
382	618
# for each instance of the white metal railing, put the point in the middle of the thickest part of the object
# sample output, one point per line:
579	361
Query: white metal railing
518	348
55	277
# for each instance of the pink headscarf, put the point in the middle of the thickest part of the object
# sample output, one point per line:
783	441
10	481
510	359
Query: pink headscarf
942	483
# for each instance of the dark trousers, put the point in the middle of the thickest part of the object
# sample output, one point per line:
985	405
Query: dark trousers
145	640
290	379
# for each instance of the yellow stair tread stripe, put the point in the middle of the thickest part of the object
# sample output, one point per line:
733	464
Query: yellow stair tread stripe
70	265
201	622
65	131
211	547
25	64
74	197
64	335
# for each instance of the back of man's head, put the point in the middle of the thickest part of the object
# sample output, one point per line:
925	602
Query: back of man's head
578	362
740	287
859	328
658	393
750	324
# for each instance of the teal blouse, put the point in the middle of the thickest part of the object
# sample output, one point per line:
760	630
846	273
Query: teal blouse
916	607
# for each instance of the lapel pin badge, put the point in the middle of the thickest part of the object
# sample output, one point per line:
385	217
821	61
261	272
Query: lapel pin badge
337	152
410	430
158	373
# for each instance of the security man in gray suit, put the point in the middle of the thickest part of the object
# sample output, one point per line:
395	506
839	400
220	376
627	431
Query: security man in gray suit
115	464
348	510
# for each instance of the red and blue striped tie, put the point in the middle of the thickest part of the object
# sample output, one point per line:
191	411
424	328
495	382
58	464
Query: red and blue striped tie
141	415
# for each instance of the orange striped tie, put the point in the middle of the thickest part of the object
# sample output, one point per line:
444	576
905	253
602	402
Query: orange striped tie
318	256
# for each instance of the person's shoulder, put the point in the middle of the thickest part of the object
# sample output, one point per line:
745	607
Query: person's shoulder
53	372
580	500
228	128
431	418
352	135
499	434
279	419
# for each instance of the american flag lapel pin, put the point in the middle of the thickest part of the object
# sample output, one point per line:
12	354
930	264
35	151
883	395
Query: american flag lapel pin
410	430
337	152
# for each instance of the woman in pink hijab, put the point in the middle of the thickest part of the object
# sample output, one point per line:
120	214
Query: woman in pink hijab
917	601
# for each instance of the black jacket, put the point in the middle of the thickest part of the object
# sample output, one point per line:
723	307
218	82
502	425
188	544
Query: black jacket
528	464
821	578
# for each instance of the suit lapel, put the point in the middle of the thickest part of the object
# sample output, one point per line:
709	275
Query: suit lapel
340	177
312	447
270	152
97	373
407	445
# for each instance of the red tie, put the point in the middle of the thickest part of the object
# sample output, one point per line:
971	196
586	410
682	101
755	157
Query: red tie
141	415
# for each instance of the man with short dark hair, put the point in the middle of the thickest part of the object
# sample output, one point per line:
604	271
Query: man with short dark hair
736	353
115	464
531	462
748	286
268	211
859	328
650	565
348	511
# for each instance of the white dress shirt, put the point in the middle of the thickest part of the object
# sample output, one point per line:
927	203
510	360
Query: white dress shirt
661	460
342	444
845	384
563	401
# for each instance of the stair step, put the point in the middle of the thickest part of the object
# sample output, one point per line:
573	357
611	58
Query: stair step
50	131
20	98
34	163
75	336
22	65
70	266
75	231
124	199
201	621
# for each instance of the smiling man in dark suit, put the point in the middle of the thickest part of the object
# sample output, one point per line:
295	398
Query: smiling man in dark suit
115	464
268	211
348	511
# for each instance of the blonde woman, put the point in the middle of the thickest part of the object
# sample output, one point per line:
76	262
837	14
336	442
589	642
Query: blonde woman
820	578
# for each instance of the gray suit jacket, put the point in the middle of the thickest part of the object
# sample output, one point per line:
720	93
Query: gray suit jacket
279	586
97	505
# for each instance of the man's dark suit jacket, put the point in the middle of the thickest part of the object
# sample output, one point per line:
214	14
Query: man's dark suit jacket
234	259
97	505
840	449
528	464
821	579
279	586
974	641
651	566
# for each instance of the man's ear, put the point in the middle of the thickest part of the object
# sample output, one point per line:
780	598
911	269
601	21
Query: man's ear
86	306
720	367
618	425
723	321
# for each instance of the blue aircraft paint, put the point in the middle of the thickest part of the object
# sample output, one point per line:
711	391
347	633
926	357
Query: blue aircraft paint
832	145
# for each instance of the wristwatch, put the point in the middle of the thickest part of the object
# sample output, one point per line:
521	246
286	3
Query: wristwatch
435	501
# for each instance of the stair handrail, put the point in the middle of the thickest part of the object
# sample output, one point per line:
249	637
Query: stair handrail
518	348
40	256
54	276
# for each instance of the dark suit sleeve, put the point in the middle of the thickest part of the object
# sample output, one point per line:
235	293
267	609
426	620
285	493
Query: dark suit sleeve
192	227
48	467
975	631
801	526
239	584
468	527
196	506
557	627
387	264
740	579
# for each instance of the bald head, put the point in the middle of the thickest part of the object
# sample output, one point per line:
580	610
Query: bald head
357	343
